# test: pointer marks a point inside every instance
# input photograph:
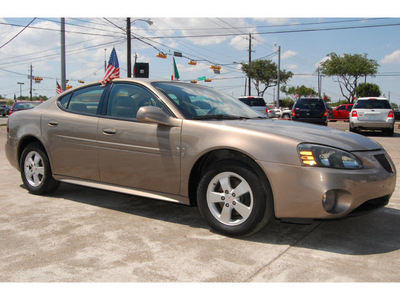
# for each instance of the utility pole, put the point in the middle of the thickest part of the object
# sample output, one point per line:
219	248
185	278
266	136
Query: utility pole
319	85
105	60
279	76
31	78
249	83
63	72
128	47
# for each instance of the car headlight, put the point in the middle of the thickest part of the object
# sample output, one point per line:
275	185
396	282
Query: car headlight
322	156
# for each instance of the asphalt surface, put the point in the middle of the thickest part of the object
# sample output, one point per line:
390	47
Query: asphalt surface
80	234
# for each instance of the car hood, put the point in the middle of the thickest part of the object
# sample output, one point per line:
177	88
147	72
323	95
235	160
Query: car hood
309	133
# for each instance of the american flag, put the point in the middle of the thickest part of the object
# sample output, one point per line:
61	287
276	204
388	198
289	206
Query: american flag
58	89
112	70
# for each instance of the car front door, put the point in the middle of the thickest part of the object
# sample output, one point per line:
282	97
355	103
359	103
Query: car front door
133	154
71	130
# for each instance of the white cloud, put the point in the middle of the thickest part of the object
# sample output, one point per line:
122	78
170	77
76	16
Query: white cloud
292	67
288	54
393	58
318	64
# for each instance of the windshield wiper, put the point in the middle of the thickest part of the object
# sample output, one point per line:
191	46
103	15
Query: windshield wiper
219	117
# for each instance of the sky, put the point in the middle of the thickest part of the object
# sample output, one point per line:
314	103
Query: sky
213	35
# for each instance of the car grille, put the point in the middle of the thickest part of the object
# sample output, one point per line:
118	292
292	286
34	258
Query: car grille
381	158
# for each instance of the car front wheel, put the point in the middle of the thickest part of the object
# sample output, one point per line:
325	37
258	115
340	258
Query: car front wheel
36	171
232	200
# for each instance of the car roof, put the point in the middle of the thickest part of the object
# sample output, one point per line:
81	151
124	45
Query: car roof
372	98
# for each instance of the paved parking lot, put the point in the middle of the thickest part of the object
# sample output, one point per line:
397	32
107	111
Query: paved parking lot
83	234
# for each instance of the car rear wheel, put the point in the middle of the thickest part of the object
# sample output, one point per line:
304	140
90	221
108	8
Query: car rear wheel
36	171
389	131
232	200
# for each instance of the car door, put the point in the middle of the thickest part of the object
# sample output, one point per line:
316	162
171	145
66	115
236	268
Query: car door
71	130
134	154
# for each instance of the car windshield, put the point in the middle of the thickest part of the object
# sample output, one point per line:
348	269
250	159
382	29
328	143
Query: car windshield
373	104
199	102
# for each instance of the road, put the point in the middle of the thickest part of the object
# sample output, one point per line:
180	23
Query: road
82	234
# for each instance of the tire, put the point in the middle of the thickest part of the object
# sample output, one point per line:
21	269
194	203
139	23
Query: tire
35	170
286	116
389	131
352	129
232	200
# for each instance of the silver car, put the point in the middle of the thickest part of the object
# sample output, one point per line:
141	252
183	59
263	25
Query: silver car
372	113
190	144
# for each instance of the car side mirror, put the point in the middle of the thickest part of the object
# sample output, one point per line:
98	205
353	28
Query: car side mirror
153	114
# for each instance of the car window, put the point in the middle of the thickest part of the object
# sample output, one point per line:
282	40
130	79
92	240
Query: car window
310	104
84	101
253	101
126	99
373	104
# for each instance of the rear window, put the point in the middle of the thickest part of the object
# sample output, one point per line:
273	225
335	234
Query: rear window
373	104
25	105
253	101
312	103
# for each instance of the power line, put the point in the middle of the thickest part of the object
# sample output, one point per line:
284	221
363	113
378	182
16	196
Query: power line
18	33
275	32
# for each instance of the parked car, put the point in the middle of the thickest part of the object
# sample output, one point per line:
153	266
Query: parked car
23	105
310	110
274	112
4	109
193	145
286	113
342	112
372	113
258	104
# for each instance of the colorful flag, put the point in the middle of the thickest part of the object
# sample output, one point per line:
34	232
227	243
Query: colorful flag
58	89
175	71
112	70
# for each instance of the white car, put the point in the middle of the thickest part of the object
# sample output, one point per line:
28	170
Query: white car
372	113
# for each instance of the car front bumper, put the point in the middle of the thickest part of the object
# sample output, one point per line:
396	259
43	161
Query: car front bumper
300	192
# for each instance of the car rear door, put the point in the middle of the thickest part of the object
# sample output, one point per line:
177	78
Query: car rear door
71	132
134	154
373	110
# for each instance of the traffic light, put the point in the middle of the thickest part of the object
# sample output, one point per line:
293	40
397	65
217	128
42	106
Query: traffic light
213	67
192	62
193	81
81	81
207	80
68	87
161	55
37	79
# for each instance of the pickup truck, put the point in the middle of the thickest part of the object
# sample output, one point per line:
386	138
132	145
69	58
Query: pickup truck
258	104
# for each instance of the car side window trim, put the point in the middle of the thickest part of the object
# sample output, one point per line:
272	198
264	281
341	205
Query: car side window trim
69	96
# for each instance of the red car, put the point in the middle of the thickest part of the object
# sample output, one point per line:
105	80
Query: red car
342	111
23	105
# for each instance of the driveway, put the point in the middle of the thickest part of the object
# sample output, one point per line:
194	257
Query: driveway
83	234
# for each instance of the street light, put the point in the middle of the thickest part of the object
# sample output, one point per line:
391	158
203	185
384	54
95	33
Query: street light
20	88
128	37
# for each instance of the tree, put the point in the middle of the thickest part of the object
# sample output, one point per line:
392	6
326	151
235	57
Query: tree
347	70
368	90
301	91
265	72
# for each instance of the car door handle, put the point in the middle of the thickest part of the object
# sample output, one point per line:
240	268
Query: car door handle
109	131
52	123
